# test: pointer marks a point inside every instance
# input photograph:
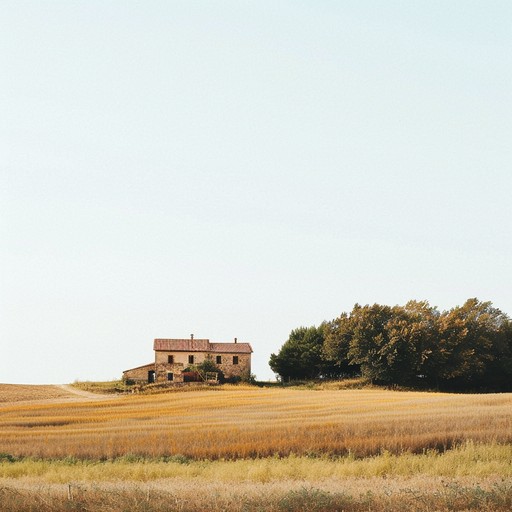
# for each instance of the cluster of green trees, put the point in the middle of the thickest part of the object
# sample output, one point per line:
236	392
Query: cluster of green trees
466	347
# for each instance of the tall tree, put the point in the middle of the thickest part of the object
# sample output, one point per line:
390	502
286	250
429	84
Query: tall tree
469	341
368	340
422	332
338	334
401	348
300	357
498	375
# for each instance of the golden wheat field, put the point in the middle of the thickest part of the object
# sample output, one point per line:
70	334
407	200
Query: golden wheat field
249	422
244	448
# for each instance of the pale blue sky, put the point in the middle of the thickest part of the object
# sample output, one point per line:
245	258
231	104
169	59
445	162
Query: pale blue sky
242	168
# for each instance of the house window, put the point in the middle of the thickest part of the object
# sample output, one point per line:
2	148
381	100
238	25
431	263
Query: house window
219	359
191	359
170	359
170	376
235	359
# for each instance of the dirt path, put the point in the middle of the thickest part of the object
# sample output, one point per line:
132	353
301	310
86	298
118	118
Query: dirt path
85	394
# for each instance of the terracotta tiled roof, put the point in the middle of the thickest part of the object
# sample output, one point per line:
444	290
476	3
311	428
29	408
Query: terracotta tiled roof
231	348
182	345
198	345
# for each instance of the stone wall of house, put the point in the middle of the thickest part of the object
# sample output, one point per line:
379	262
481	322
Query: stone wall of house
164	368
181	361
162	357
139	374
242	369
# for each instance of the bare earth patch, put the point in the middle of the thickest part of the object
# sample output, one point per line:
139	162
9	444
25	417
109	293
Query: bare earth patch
83	394
14	393
27	392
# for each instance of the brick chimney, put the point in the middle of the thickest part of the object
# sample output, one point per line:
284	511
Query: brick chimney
236	340
191	336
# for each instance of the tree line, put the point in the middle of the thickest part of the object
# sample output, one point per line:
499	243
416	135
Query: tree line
468	347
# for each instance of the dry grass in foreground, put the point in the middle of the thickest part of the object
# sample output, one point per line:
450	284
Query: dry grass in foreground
234	423
377	495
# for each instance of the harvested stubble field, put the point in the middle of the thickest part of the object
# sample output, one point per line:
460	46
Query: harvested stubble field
246	448
233	423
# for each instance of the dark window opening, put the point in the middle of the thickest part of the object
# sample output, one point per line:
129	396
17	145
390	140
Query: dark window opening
219	359
170	376
170	359
235	359
151	376
190	359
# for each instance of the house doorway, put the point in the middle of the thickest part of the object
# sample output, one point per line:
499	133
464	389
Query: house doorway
151	376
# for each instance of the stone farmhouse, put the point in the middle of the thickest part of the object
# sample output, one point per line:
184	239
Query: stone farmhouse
173	356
